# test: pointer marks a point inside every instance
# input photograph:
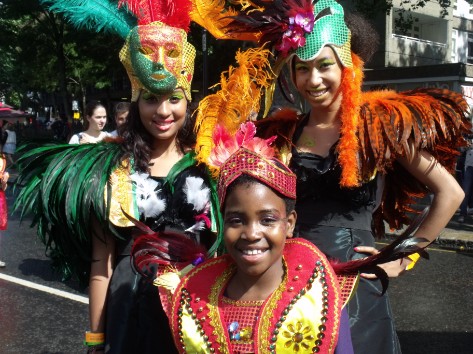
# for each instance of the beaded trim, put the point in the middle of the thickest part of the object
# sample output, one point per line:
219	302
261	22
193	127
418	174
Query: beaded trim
241	303
278	328
214	314
269	310
318	272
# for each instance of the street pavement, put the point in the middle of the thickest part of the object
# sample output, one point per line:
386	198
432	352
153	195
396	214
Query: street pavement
41	314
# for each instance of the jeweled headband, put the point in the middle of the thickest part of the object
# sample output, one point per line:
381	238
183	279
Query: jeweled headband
329	29
272	173
243	153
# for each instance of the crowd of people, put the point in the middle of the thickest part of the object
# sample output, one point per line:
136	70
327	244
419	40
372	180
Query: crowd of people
235	232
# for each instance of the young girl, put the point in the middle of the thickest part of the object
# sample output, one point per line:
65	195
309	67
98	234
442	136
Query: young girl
95	120
96	193
359	157
268	294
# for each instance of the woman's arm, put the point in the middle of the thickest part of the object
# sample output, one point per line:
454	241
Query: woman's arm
103	255
447	194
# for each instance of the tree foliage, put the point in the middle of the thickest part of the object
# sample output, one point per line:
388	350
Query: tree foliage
47	61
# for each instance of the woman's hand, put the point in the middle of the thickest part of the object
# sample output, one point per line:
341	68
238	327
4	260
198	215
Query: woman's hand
393	269
4	180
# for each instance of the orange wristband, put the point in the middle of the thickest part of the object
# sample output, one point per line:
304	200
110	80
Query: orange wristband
92	338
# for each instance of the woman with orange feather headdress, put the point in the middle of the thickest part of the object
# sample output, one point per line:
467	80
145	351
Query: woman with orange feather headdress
360	158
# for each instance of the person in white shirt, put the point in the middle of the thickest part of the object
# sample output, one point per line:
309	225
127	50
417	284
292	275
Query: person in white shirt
9	147
96	118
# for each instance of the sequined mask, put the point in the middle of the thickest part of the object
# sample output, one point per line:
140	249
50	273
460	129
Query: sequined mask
329	30
158	58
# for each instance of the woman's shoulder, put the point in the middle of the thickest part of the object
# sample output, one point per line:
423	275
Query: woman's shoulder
74	139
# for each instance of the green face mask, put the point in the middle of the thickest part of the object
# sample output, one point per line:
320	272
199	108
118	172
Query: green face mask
329	29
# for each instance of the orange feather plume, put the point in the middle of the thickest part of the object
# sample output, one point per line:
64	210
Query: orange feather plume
348	147
237	100
215	16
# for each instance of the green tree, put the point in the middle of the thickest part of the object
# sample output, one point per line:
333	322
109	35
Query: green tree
47	57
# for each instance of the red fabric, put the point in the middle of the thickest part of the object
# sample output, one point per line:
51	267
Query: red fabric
3	211
245	314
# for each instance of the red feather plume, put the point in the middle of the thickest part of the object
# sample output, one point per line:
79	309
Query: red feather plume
164	248
174	13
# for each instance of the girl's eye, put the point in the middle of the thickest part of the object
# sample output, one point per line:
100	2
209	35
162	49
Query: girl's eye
148	96
175	98
301	67
233	221
269	221
326	63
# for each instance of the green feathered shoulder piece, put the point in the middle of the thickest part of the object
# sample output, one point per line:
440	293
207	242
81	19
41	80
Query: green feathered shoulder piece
61	187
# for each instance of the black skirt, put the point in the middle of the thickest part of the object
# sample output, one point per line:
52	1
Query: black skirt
371	319
135	319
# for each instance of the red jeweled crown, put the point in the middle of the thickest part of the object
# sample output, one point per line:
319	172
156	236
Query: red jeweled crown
243	153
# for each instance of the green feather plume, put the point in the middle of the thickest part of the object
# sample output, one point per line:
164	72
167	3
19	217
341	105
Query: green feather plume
94	15
61	187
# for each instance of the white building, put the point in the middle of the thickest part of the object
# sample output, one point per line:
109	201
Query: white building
434	52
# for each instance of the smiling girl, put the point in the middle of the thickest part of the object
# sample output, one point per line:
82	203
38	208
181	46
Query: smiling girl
102	194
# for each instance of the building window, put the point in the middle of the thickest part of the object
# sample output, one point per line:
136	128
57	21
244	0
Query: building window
453	57
470	49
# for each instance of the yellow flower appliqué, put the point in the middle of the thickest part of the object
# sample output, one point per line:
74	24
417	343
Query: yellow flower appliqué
298	336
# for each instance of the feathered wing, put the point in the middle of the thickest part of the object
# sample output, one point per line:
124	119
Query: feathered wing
96	15
61	186
430	119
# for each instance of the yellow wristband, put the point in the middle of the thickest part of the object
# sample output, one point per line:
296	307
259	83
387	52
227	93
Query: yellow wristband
414	258
92	338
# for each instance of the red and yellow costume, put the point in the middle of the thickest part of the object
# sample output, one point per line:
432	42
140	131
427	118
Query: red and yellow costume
205	321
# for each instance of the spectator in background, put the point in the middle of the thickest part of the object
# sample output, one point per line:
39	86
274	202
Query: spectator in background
95	120
4	175
121	114
61	129
466	183
9	146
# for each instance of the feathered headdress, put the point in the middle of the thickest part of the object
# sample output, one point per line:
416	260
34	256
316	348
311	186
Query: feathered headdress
289	27
243	153
156	53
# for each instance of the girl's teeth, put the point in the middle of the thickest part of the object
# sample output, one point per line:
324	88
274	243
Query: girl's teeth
252	252
317	93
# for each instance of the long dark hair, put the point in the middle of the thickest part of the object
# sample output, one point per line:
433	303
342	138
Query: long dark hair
89	111
137	140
